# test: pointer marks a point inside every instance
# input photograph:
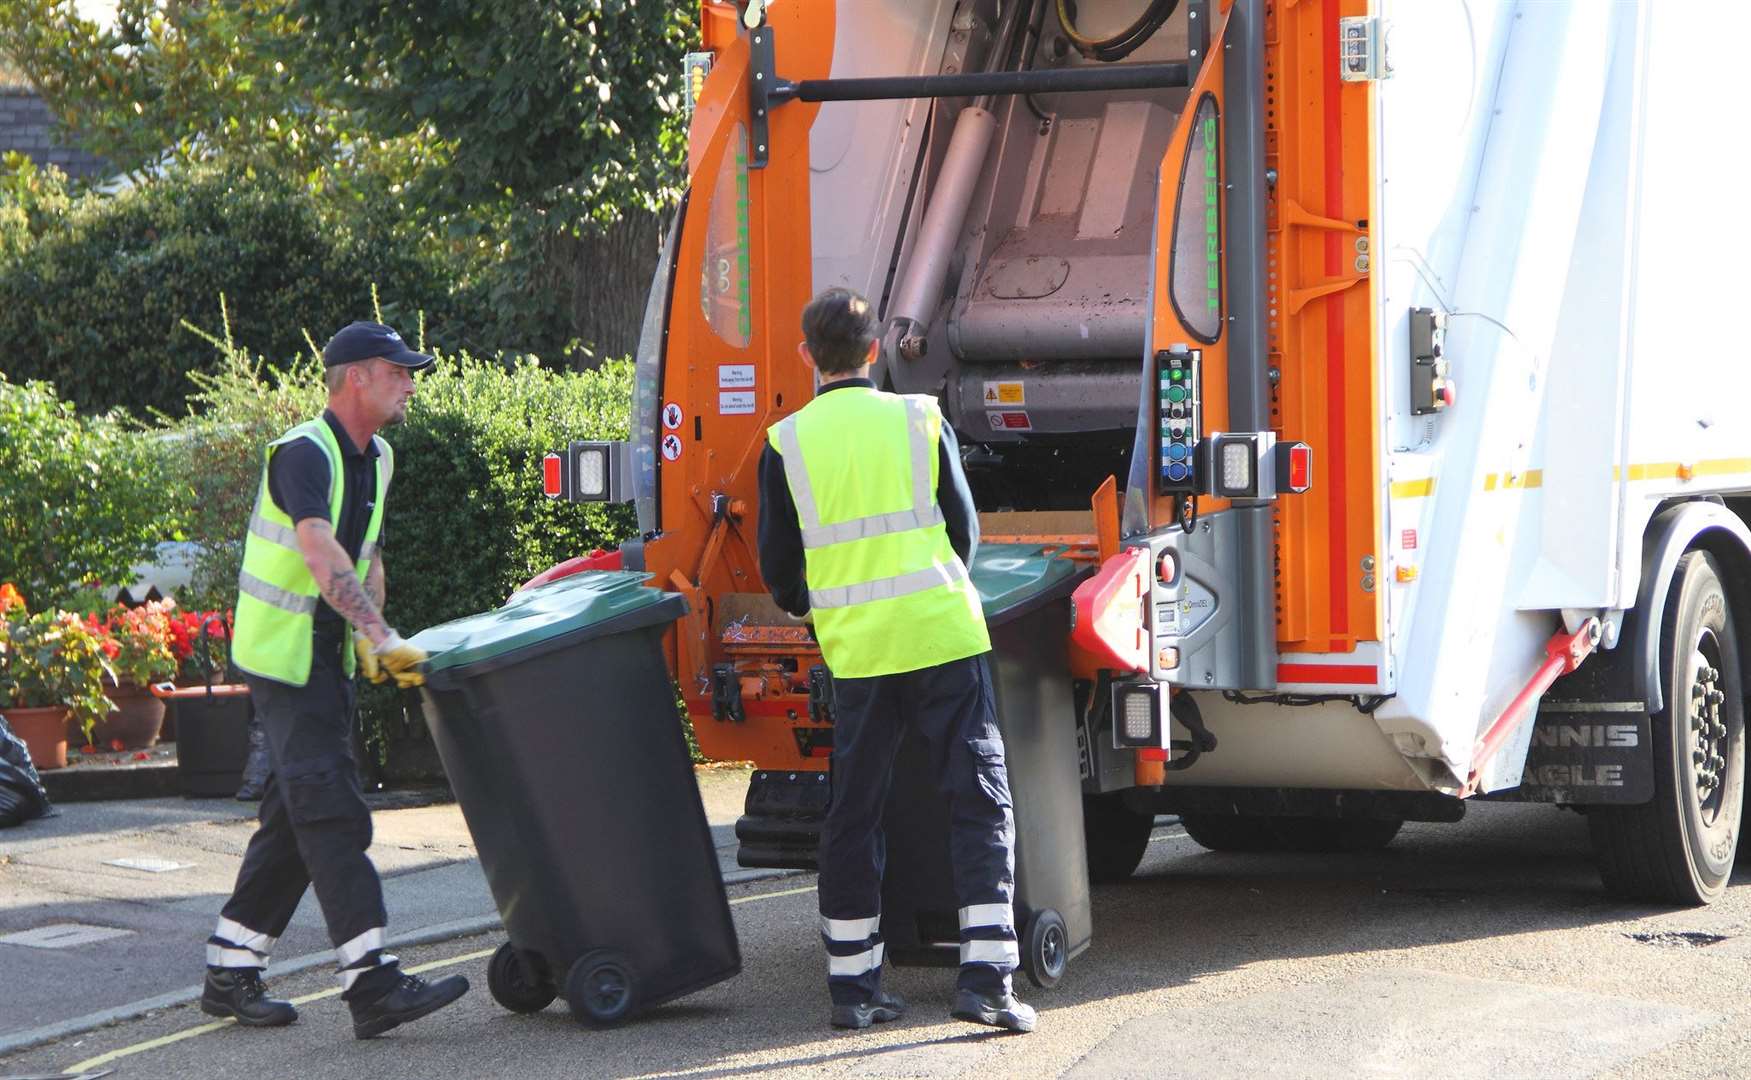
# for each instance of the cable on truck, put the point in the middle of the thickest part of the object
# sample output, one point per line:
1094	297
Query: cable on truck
1123	43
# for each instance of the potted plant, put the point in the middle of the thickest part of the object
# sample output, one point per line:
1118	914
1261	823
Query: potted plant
141	656
52	669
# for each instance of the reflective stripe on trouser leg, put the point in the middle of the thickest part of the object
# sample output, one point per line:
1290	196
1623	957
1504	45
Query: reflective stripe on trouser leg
362	954
854	957
234	945
988	939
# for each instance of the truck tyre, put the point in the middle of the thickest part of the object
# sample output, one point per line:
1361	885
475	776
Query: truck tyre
1116	836
515	985
1229	832
1335	834
1679	847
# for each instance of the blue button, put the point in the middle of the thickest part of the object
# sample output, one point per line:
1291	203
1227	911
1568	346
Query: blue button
1178	472
1176	452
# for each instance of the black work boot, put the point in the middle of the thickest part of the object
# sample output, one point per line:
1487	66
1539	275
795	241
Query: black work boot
993	1011
239	993
409	999
883	1008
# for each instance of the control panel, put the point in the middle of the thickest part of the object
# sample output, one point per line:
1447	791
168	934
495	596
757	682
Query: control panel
1179	395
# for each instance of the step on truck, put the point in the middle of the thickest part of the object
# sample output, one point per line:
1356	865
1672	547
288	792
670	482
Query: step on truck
1371	360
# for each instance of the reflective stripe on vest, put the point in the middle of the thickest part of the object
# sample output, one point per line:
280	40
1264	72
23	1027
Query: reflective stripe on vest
889	592
277	596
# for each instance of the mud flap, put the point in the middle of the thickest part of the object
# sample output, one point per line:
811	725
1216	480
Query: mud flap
1591	742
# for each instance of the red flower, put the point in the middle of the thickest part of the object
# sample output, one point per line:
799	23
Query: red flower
116	744
10	598
88	749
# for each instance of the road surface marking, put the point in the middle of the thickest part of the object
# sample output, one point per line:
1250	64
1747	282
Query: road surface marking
201	1029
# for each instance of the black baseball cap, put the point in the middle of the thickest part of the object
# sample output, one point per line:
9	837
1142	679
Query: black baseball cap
364	340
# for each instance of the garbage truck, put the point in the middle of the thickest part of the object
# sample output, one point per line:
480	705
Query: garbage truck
1365	360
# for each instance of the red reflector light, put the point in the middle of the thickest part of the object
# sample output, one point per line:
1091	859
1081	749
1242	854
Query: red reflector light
1300	468
550	476
1152	753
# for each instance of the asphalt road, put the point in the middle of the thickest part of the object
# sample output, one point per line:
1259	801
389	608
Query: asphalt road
1482	949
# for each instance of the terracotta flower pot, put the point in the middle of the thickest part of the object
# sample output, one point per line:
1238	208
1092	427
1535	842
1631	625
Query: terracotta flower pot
44	732
136	719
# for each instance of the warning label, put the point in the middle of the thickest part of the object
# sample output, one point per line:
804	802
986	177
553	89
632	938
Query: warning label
1003	394
735	376
735	402
1009	421
1408	539
672	416
671	447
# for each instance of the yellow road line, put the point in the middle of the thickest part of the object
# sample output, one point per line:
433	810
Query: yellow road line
201	1029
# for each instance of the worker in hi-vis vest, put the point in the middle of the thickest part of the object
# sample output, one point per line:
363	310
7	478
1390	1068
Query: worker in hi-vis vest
867	527
309	615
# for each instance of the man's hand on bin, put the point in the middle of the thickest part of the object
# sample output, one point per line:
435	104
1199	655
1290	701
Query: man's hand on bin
369	669
401	660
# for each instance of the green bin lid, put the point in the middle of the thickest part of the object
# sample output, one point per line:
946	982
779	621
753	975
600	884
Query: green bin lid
1008	576
608	601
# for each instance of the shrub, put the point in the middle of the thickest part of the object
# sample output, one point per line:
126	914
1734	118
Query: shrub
95	299
81	498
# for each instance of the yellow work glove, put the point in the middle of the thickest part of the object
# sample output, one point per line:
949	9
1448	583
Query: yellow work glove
369	668
401	660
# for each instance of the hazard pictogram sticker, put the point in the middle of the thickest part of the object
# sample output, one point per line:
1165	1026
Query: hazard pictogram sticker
671	447
672	416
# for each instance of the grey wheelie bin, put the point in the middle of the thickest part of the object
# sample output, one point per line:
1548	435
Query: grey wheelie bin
1026	591
556	720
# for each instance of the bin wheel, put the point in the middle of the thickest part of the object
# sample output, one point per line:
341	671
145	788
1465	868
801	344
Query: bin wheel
515	984
599	987
1045	949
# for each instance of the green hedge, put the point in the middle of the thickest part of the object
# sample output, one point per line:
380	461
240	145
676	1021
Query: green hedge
81	498
93	296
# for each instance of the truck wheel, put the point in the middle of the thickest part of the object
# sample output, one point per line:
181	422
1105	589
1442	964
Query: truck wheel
1116	836
1679	847
599	988
1335	834
1045	948
1229	832
514	985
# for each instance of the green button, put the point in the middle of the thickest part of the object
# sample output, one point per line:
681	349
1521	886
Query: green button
1176	393
1177	375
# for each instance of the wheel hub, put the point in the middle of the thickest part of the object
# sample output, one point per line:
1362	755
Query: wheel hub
1708	731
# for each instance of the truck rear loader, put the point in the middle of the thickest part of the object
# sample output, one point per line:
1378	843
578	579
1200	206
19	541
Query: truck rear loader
1368	359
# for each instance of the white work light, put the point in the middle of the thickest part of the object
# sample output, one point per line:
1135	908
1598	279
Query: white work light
590	474
1138	708
1237	461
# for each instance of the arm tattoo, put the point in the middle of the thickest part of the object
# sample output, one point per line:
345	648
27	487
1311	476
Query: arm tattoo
374	582
347	597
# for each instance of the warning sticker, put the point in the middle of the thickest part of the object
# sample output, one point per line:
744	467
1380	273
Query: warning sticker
671	447
1003	394
672	416
1408	539
1009	421
735	376
735	402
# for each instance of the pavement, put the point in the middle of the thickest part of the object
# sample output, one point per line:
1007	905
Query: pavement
1482	949
117	898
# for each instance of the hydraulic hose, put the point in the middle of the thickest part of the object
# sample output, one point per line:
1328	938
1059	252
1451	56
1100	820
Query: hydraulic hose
1123	43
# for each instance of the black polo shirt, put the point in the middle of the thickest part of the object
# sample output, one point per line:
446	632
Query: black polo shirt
298	484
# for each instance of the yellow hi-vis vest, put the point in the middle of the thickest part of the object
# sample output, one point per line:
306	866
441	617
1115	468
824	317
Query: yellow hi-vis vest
276	593
887	590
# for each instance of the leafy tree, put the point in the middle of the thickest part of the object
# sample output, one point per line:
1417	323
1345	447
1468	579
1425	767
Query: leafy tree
186	79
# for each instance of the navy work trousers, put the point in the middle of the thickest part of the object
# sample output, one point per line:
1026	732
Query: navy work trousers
953	707
315	828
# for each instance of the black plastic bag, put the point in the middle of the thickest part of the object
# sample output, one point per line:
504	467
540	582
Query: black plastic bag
21	791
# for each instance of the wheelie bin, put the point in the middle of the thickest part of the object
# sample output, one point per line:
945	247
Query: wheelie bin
1025	589
555	717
